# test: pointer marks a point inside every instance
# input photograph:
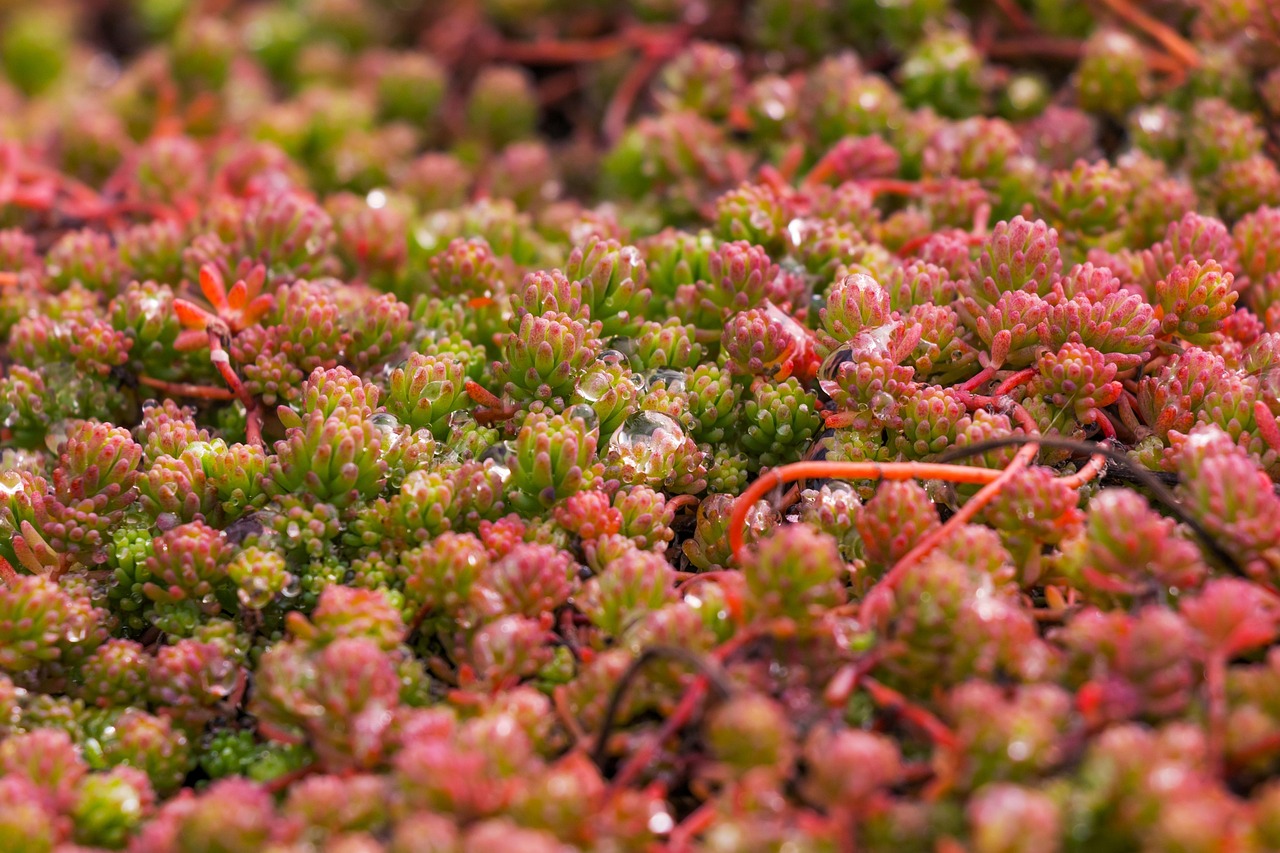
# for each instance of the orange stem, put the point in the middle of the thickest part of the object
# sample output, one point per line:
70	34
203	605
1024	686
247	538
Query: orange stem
1089	471
186	389
827	469
562	52
963	516
1162	33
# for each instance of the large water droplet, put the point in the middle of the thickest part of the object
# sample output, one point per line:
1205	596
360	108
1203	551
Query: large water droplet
586	414
671	379
498	458
594	385
611	356
882	405
627	348
219	679
829	371
644	441
388	428
57	436
10	483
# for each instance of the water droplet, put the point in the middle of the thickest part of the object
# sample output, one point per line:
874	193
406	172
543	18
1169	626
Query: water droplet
627	348
198	449
388	428
594	385
56	436
293	588
611	356
829	371
795	230
166	521
586	414
671	379
498	457
219	679
645	440
75	633
293	531
661	823
875	341
11	483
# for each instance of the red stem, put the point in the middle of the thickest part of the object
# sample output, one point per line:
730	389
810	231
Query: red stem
827	469
922	718
1164	35
1104	424
680	501
975	382
643	757
184	389
1088	471
1014	381
876	596
567	52
222	361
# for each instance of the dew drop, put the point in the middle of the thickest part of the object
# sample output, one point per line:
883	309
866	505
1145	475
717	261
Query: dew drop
587	414
645	440
388	428
671	379
10	483
594	385
498	457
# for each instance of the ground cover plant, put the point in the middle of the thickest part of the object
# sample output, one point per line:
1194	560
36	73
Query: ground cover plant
787	425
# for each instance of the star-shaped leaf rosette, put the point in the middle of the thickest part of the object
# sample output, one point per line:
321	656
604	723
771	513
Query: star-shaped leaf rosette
234	310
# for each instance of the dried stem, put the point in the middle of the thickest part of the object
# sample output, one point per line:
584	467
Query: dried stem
1125	469
710	673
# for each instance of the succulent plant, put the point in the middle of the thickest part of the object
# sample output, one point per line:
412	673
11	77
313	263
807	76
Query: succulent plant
571	427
